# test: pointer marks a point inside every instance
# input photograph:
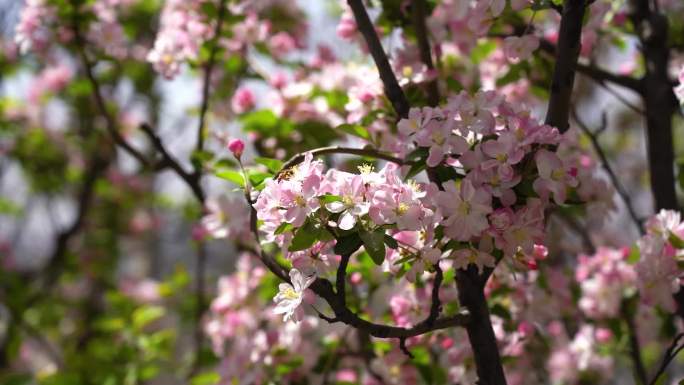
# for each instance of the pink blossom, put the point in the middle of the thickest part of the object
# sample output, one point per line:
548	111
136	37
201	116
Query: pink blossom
465	210
553	176
520	48
242	100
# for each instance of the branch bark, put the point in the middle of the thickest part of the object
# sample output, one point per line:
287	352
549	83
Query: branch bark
392	89
661	103
418	12
558	111
480	332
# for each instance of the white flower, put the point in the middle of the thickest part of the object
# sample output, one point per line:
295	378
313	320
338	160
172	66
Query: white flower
290	296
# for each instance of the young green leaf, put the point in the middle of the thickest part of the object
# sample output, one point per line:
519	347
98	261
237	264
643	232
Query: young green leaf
374	243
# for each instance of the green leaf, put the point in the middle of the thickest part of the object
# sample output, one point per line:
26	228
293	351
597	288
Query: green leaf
329	198
391	242
354	129
231	176
482	50
273	165
676	241
146	314
304	238
207	378
256	177
348	244
283	228
374	243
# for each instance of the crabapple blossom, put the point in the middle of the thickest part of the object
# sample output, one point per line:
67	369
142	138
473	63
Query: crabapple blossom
554	177
290	296
465	210
520	48
353	203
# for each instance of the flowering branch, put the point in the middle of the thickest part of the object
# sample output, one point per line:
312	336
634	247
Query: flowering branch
392	89
569	34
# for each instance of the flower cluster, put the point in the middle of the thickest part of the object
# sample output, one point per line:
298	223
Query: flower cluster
604	279
504	170
660	250
183	30
33	31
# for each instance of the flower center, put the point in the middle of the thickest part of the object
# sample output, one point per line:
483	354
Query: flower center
464	208
402	208
438	138
289	293
348	201
300	201
557	174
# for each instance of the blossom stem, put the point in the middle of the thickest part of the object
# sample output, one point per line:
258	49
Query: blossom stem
299	158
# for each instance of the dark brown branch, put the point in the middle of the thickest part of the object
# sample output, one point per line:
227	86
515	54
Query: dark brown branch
110	121
418	11
660	102
392	89
558	111
299	158
337	302
621	190
85	198
670	354
597	74
480	332
192	180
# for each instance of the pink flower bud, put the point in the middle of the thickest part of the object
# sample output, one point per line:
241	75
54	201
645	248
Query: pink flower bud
603	335
236	146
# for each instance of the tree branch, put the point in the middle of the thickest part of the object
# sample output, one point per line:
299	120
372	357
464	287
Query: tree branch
392	89
660	102
557	114
110	122
192	180
671	352
480	332
418	12
597	74
371	153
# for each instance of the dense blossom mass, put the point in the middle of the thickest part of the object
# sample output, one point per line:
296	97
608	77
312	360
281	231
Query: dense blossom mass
373	185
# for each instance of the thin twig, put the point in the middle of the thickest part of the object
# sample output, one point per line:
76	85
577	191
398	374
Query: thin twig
621	190
191	180
110	122
668	356
371	153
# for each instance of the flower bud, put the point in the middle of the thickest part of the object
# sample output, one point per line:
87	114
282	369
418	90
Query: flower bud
236	146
